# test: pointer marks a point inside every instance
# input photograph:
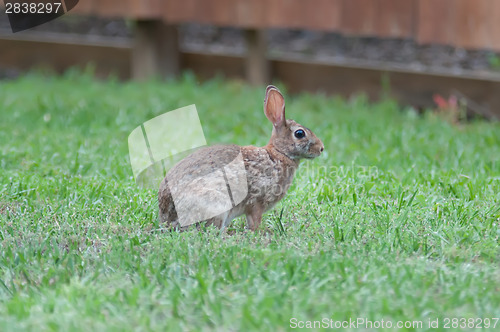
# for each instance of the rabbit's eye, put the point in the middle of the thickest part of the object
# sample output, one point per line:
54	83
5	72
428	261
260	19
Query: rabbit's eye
300	133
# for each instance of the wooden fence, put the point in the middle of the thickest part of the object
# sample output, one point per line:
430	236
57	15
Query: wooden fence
461	23
154	49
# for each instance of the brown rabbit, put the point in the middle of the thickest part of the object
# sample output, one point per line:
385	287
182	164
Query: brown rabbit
219	183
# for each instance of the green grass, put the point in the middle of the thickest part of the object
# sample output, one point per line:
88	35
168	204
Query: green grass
398	220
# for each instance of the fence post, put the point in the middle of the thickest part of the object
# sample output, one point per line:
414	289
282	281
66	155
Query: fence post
257	66
155	50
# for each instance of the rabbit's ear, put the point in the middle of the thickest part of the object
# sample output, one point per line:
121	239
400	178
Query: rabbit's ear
274	106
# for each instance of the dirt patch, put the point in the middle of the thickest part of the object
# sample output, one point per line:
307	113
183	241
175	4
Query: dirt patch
7	207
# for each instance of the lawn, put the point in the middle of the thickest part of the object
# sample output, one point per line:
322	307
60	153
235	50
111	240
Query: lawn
399	219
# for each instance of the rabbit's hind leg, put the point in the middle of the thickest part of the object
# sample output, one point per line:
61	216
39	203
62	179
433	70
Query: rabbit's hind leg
220	221
254	217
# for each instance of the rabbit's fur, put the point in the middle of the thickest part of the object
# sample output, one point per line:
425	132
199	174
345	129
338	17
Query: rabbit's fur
265	174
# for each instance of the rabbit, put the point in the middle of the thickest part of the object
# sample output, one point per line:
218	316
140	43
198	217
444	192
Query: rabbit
218	183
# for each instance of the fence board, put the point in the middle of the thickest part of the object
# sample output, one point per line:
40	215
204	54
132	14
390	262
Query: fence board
281	13
223	11
322	15
83	7
242	13
395	18
358	17
144	9
250	14
385	18
218	12
494	22
436	21
179	11
299	14
463	23
474	26
112	8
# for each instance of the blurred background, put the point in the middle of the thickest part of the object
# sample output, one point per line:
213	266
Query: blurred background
424	53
